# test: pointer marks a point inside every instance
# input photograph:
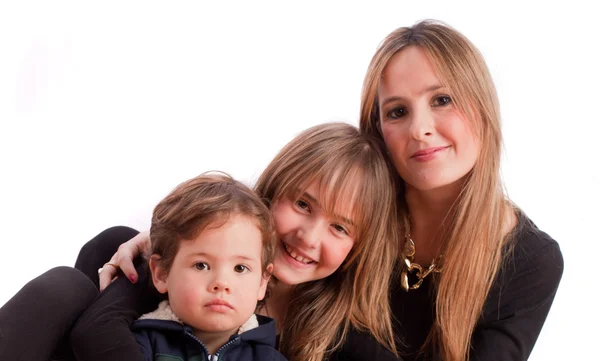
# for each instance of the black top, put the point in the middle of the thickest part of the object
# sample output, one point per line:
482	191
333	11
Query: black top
513	314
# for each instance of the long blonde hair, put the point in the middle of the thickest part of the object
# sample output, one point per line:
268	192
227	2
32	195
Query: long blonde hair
346	165
472	234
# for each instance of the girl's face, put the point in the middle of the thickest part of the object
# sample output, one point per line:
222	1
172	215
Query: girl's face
312	243
429	140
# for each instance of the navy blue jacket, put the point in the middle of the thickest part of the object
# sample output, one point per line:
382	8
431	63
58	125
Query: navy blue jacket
162	340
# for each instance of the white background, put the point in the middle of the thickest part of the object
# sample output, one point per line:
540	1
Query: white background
104	108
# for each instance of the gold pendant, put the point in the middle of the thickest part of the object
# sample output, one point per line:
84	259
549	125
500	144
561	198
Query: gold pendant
414	268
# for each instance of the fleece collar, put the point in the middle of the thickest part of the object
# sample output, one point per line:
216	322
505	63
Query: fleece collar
165	313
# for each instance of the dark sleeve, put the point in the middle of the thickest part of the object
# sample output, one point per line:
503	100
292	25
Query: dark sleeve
102	332
361	346
519	300
35	323
99	250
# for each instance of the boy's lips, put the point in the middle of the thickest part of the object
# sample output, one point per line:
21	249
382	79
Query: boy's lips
219	304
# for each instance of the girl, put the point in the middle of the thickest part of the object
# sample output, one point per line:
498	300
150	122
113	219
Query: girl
334	215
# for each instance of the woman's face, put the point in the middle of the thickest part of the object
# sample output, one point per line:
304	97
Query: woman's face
312	243
429	140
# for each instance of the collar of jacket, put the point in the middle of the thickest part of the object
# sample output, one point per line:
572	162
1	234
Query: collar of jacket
163	320
165	313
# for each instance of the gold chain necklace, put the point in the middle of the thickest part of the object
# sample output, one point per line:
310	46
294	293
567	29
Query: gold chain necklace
408	256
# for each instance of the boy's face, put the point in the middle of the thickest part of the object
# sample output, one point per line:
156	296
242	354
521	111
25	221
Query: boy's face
216	279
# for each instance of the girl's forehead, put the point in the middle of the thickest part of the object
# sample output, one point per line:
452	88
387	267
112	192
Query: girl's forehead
338	199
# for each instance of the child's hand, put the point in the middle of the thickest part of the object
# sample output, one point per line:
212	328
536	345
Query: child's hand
129	250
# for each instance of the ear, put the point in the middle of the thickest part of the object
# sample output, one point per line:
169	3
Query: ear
159	274
264	281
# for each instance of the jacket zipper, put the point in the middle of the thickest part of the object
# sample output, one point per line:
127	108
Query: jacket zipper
201	344
214	357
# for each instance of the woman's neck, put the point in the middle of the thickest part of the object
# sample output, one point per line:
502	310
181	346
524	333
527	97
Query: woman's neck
276	305
428	210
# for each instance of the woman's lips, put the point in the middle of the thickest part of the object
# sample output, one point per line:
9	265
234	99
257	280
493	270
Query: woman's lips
428	154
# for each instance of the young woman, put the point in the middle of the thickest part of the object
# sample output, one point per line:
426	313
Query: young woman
478	277
334	214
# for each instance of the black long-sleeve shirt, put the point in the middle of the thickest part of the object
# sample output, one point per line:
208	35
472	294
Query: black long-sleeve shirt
513	314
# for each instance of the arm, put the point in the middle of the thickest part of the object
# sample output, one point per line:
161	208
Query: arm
97	251
127	252
35	321
66	292
519	301
102	332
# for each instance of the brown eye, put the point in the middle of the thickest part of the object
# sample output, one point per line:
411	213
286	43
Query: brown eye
442	101
397	112
240	268
201	266
339	228
302	204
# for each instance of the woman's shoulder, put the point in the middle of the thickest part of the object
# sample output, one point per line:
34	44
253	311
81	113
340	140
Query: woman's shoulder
531	269
528	247
521	295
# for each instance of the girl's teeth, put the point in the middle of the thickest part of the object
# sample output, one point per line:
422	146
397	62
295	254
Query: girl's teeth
296	256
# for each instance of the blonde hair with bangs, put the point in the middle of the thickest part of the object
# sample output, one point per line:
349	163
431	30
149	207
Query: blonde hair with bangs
473	233
347	166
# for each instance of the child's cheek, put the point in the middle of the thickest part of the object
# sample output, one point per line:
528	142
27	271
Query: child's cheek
337	255
190	300
189	290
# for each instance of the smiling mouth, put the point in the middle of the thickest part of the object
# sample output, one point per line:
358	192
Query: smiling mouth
290	251
428	152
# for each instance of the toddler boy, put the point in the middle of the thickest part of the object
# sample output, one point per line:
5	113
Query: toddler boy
212	246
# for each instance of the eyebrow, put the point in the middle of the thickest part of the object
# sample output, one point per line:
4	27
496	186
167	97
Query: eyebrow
429	89
314	200
203	254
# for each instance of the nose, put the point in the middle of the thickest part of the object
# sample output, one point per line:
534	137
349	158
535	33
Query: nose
309	234
422	124
220	284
